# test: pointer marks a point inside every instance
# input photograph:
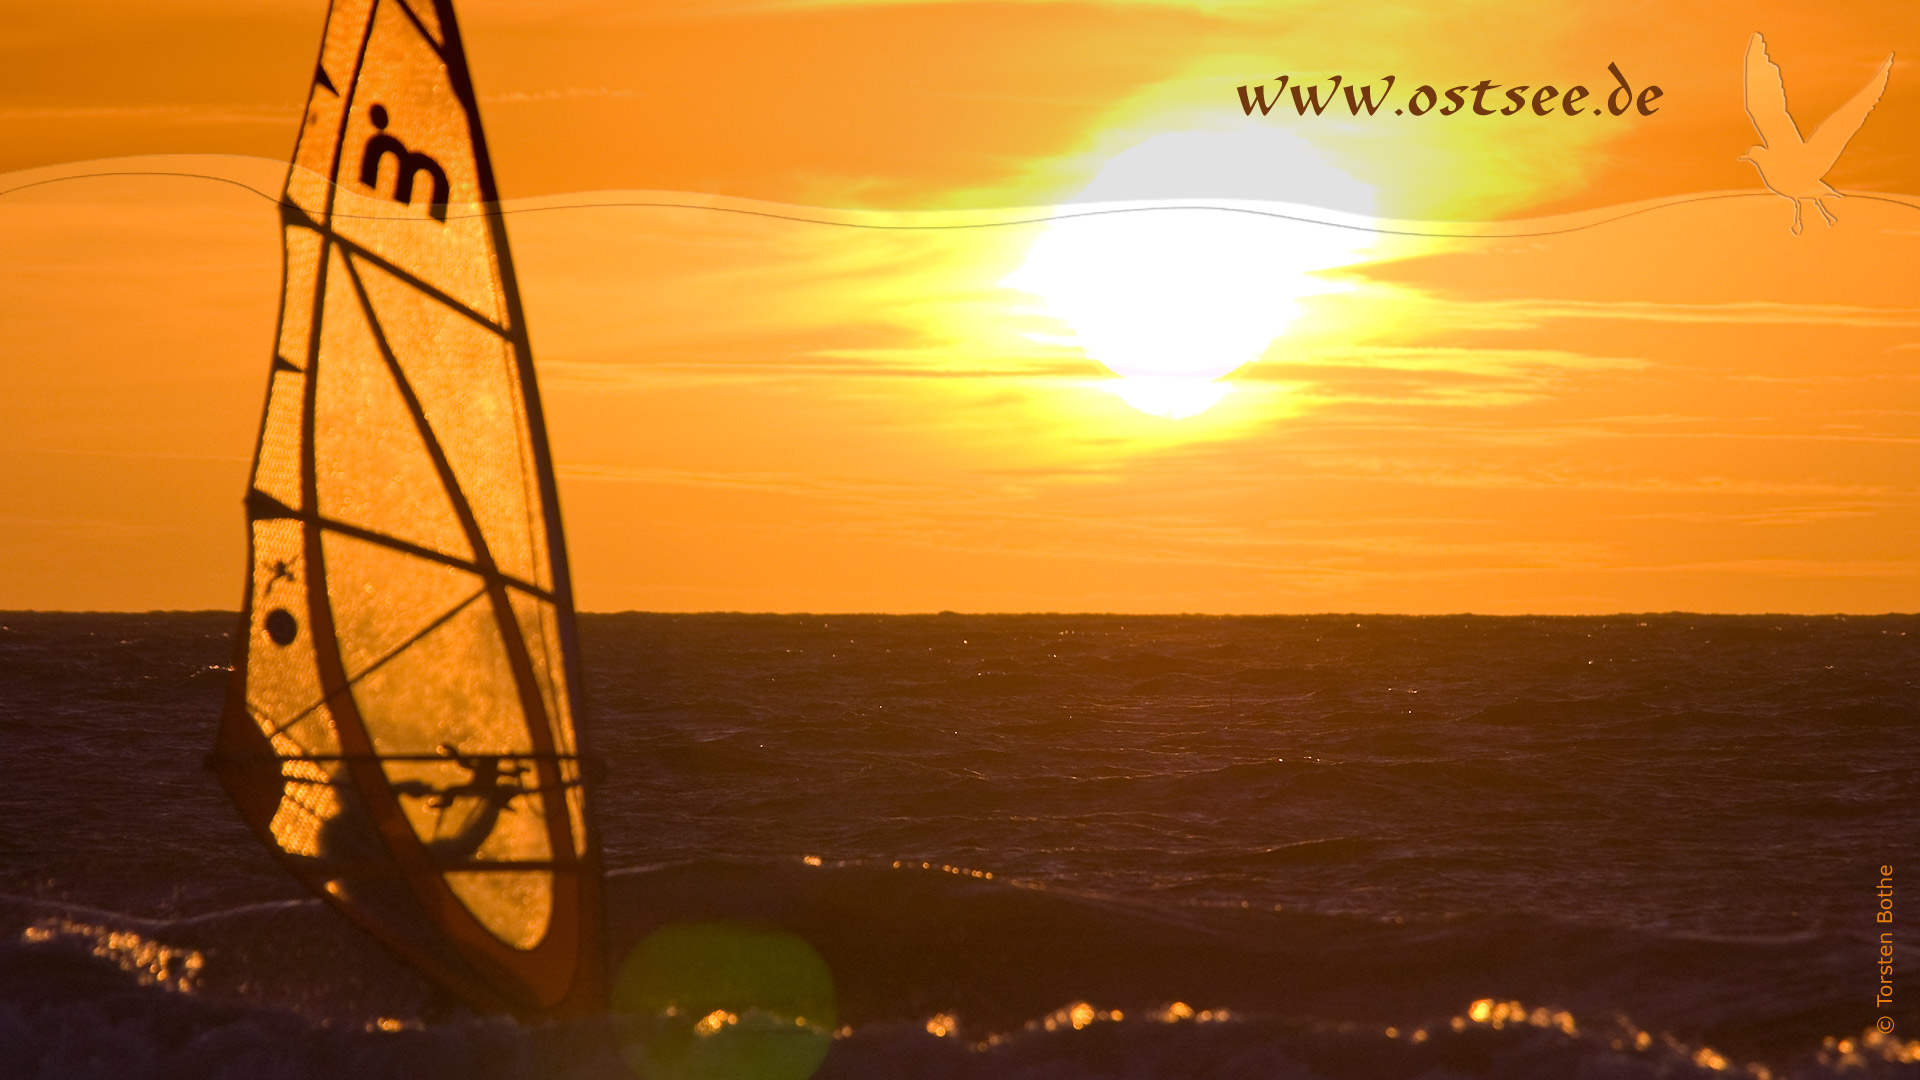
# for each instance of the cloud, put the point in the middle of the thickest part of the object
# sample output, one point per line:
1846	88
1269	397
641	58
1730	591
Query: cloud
571	93
179	114
1749	312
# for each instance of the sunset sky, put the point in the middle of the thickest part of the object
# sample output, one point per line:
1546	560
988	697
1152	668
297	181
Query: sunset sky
766	394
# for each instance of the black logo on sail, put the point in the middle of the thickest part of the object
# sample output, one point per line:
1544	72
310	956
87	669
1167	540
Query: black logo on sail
411	164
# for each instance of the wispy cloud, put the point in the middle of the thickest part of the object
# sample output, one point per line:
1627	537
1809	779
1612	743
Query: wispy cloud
226	113
1771	515
1438	376
570	93
1763	312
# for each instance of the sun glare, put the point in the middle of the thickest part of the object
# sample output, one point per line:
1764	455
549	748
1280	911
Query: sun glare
1173	294
1173	397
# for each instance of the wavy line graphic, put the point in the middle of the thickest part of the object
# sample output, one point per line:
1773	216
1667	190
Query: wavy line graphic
951	220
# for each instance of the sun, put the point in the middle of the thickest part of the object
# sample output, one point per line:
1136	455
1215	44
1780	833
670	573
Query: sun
1174	293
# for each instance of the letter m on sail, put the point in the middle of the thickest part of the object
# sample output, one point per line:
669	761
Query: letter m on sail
411	165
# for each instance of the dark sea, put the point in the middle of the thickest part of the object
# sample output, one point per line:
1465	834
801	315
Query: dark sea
1058	846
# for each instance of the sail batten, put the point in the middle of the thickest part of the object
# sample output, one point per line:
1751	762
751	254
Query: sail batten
400	728
265	506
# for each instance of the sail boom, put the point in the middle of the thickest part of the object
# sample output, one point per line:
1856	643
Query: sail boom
402	757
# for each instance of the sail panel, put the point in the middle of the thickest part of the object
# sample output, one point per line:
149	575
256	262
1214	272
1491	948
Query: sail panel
375	456
384	600
309	799
463	376
284	696
277	473
450	684
400	726
516	905
304	246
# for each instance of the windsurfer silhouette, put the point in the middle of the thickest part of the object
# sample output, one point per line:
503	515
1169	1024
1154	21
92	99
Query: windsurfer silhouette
491	788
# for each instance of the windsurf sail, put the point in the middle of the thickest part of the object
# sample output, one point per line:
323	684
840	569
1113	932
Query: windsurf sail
400	726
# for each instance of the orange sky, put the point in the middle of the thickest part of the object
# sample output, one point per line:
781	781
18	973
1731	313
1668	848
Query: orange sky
1686	409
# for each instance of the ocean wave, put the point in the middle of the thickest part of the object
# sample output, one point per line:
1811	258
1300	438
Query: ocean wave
906	941
68	1013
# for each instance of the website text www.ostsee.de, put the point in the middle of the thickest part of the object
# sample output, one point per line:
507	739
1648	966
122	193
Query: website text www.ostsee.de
1484	98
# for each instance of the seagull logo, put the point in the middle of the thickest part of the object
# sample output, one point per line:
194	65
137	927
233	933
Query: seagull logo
1789	165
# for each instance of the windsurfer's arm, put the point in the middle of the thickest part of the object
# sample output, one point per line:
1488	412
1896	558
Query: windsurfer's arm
436	797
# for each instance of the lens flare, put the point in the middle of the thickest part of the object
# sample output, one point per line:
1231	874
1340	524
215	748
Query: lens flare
707	1001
